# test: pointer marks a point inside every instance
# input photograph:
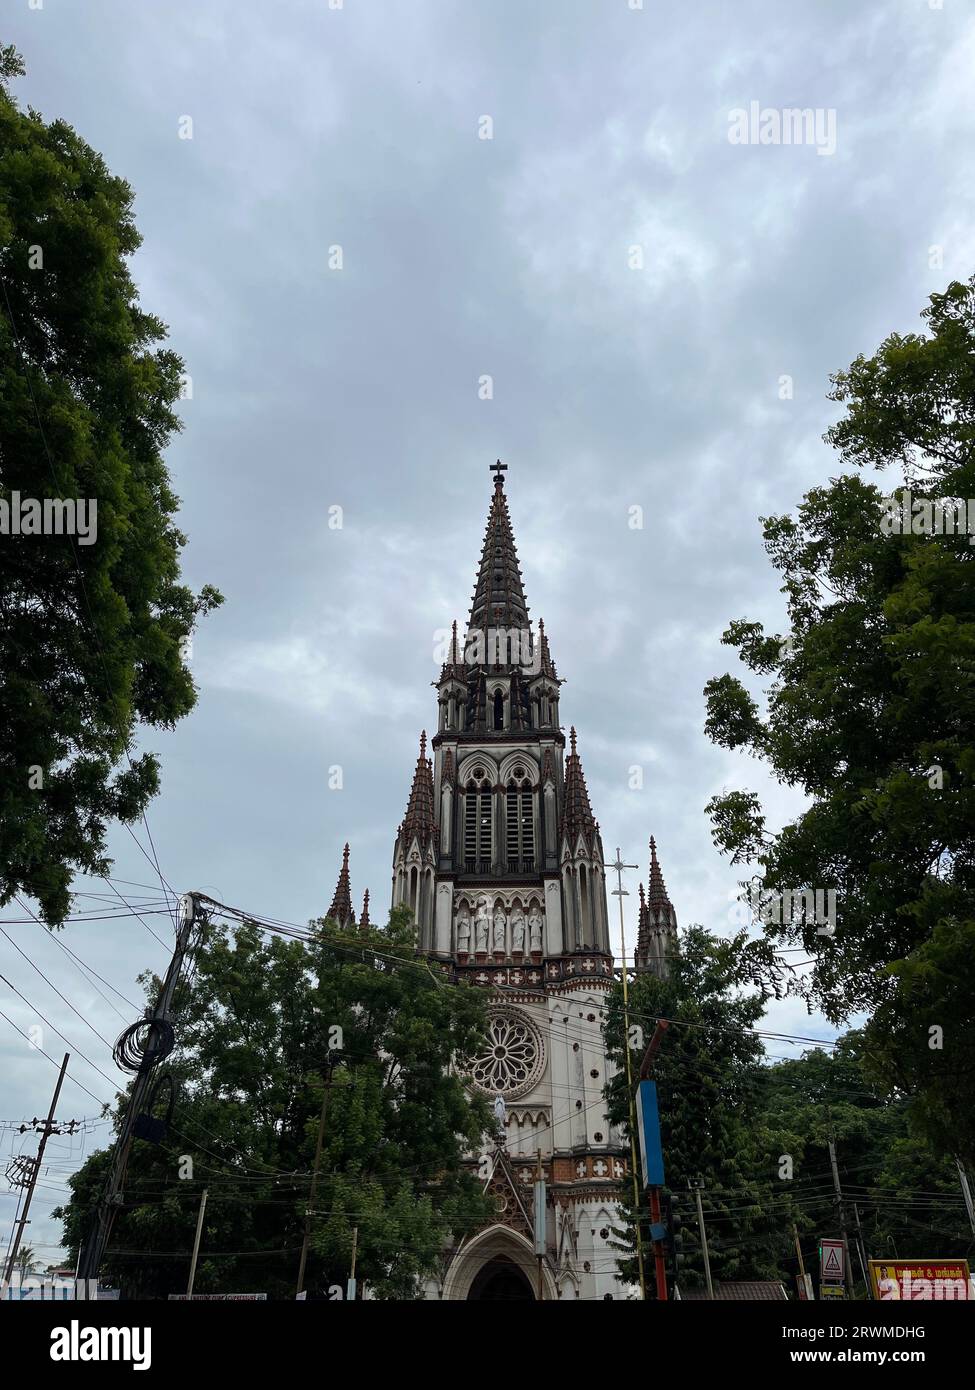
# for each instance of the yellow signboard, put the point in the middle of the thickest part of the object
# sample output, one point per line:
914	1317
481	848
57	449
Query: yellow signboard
920	1280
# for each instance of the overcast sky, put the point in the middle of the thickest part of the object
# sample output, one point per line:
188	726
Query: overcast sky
614	386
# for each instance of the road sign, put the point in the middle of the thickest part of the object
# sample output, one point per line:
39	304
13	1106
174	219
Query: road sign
832	1291
648	1126
831	1262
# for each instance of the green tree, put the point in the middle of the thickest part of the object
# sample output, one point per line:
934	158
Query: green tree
713	1131
258	1024
91	629
870	711
907	1199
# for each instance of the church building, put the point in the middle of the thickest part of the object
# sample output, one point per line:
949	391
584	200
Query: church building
501	861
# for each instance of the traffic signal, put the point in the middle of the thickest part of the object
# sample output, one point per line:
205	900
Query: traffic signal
674	1239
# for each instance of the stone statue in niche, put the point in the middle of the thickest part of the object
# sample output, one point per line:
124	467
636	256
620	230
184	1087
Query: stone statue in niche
535	925
481	925
500	1113
500	922
463	933
517	931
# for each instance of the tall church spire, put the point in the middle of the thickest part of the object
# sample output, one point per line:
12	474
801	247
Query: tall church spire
499	598
500	863
341	910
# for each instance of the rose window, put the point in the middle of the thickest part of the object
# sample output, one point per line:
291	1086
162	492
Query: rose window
512	1059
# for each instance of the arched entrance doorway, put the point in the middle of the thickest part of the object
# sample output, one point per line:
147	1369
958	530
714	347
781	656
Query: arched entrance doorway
501	1279
498	1251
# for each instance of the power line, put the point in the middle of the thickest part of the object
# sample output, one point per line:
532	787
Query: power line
67	1041
78	963
36	1048
64	1000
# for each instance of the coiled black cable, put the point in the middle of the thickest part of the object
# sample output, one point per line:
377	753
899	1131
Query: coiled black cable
143	1045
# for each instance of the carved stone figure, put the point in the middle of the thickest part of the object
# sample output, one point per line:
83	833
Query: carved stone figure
481	925
535	928
518	930
463	933
500	1112
500	922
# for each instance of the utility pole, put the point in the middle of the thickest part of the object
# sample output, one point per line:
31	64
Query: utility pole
704	1239
620	892
802	1267
196	1244
350	1291
841	1215
646	1067
966	1192
100	1230
538	1190
49	1126
862	1251
314	1175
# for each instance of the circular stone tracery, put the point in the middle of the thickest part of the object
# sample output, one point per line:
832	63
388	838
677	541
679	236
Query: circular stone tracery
513	1058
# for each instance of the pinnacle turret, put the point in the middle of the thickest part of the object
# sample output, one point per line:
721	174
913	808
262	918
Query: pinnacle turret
657	930
341	910
420	819
577	816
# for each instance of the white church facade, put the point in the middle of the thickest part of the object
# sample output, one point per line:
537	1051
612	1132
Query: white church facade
501	860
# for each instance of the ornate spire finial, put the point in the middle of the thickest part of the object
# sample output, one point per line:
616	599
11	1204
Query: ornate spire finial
419	819
497	469
577	816
341	909
364	919
657	937
657	891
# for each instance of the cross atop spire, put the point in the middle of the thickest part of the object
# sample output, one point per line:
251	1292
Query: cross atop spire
497	469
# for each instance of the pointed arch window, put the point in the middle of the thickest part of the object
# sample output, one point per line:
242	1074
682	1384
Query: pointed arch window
520	823
477	824
498	709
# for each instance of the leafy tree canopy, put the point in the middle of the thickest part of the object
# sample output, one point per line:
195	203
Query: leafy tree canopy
92	626
869	709
754	1132
713	1133
259	1024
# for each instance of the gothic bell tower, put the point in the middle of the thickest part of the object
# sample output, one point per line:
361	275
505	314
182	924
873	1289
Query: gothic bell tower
500	859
